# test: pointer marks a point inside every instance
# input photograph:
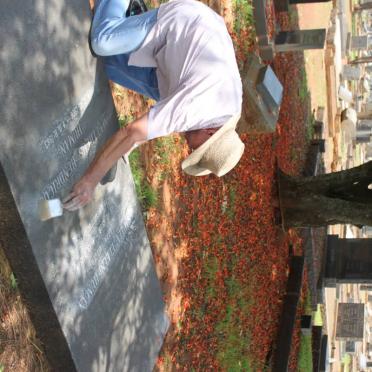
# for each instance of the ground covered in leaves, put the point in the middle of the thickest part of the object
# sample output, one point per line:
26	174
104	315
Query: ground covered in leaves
220	254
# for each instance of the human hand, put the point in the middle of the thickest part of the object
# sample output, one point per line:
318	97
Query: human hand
81	194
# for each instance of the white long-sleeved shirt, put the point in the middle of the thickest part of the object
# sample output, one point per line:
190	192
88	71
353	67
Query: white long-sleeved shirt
198	77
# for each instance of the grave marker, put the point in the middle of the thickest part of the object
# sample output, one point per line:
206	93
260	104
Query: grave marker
350	322
262	94
358	42
348	261
351	72
88	277
299	40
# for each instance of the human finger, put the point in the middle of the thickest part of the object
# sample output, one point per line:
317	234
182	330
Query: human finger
69	197
72	204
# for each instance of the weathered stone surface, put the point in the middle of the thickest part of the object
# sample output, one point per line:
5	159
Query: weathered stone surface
100	294
350	322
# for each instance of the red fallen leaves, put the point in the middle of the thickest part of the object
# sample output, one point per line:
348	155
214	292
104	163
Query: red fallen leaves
233	277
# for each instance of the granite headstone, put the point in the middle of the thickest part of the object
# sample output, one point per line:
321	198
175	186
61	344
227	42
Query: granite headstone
348	261
88	277
299	40
358	42
351	72
350	322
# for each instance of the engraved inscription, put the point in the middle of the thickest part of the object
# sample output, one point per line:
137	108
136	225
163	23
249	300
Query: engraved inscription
69	118
117	240
57	183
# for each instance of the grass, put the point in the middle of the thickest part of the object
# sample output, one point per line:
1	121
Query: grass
164	147
210	270
305	360
303	87
145	193
243	18
233	340
232	344
228	207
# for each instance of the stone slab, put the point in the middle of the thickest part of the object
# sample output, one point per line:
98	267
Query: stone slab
358	42
101	293
270	88
351	72
290	41
350	322
256	114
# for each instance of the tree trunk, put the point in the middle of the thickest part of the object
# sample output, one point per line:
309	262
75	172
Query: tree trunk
341	197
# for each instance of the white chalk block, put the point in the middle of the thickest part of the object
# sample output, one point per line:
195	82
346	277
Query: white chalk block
50	209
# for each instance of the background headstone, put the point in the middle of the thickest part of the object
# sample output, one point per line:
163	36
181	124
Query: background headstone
351	72
358	42
365	287
348	261
350	347
270	88
289	41
350	322
88	277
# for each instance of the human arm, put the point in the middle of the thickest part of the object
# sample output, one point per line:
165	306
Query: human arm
118	145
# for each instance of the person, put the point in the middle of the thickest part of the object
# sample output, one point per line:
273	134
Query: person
180	55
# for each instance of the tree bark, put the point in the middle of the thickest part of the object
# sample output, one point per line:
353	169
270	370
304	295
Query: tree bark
341	197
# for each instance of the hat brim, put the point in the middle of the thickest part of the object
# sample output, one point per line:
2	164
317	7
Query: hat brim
189	165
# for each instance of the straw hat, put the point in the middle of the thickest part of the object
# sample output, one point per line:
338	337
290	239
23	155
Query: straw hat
219	154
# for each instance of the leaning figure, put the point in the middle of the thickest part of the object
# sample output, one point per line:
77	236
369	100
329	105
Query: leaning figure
181	55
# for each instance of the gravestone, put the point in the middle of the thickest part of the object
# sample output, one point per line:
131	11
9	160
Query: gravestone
306	324
348	261
288	316
299	40
262	94
350	322
365	287
323	354
351	72
316	346
358	42
350	347
87	277
270	88
265	45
